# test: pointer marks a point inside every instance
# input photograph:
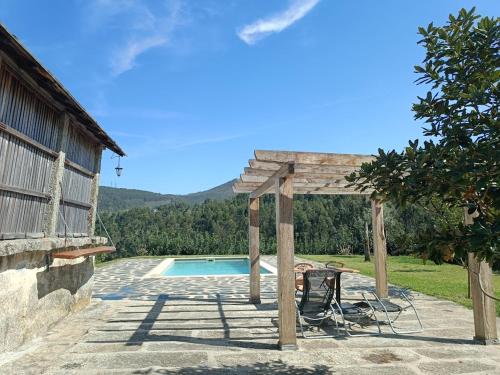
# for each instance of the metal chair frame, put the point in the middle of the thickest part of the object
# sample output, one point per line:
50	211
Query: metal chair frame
381	307
362	314
328	312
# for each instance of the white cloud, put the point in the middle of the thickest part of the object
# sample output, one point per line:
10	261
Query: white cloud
115	15
140	27
156	35
124	57
263	27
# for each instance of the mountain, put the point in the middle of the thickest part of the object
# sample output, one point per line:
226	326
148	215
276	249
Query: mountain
217	193
117	199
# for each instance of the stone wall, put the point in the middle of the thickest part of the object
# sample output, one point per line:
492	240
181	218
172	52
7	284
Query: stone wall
36	293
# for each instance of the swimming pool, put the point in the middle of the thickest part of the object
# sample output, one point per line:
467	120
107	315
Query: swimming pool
209	267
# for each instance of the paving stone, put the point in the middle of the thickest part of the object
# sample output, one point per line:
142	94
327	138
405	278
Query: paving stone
132	360
320	344
458	367
337	357
458	353
84	347
198	345
382	342
370	370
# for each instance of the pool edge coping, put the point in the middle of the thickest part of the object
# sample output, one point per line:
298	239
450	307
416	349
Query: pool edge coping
159	268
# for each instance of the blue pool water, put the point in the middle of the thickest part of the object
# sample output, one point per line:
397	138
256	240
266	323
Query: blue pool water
210	267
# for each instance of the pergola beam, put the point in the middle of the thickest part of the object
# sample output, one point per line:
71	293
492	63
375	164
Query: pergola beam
301	188
270	166
312	158
309	181
328	191
317	191
286	169
299	177
263	166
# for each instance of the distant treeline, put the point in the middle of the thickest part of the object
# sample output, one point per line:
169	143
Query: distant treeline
118	199
323	225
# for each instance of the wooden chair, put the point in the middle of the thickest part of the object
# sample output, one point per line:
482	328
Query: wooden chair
334	264
299	270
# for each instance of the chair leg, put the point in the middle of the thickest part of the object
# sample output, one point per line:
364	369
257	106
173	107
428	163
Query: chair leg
344	324
373	313
335	320
404	296
334	302
321	321
299	318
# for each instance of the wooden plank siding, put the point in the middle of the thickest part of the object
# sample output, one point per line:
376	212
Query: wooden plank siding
31	137
75	218
76	186
23	166
21	215
25	111
75	202
80	150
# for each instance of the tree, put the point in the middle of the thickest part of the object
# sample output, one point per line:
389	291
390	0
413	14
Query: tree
457	167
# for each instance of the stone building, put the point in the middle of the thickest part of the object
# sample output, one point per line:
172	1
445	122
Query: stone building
50	152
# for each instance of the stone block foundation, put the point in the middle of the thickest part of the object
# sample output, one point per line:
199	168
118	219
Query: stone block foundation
37	291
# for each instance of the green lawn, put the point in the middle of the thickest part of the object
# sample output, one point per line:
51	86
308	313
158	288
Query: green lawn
445	281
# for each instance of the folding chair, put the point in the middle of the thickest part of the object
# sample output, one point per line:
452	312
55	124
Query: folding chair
354	314
315	306
391	310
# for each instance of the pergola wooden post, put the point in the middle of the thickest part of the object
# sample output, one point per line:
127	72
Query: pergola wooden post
379	249
485	323
286	277
254	252
284	174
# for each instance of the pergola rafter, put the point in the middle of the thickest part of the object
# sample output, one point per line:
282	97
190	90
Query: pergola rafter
285	173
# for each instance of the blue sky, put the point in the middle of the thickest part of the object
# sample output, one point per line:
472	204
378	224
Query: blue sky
189	88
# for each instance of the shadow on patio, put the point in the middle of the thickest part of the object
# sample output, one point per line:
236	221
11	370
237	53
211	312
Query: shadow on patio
197	322
175	322
273	367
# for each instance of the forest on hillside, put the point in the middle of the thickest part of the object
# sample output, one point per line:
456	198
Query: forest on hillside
118	199
323	225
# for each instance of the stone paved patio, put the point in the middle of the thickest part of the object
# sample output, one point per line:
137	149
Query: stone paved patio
206	326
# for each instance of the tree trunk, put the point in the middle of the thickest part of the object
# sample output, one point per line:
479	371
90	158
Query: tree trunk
367	245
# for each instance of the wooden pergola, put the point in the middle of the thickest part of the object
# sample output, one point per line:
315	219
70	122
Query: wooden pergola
284	174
